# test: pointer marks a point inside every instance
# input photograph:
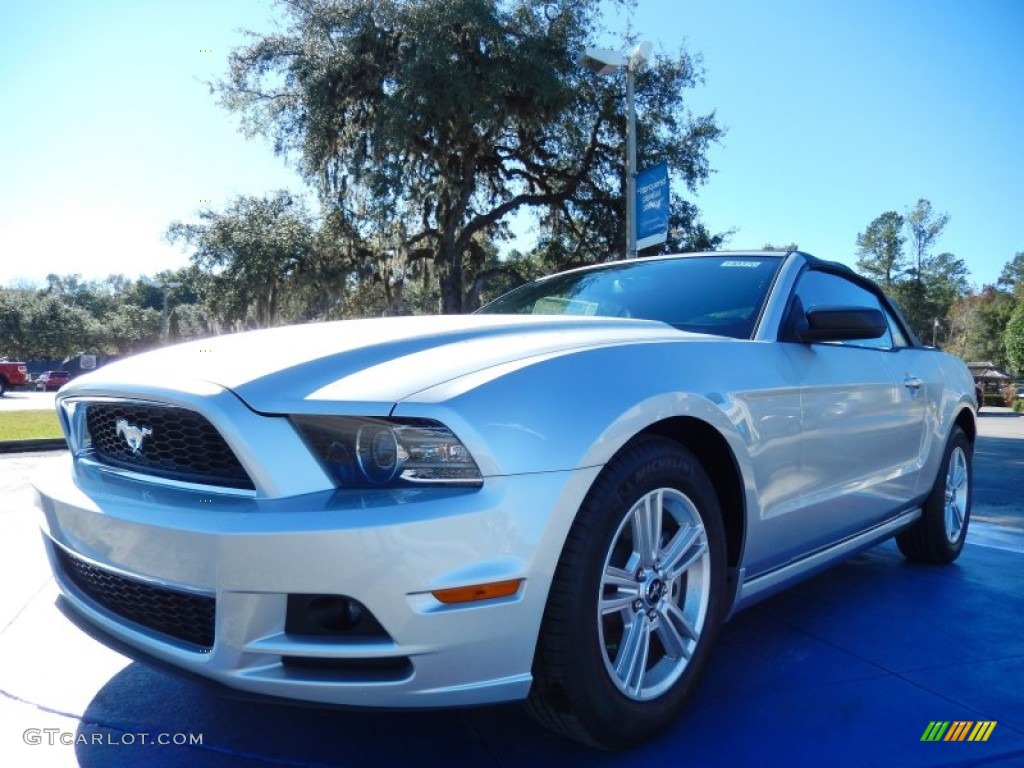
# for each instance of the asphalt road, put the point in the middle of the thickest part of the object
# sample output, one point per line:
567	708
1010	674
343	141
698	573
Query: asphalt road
846	669
999	468
19	400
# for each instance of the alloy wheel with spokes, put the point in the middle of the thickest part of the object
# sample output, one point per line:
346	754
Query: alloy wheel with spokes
938	535
636	601
654	594
956	493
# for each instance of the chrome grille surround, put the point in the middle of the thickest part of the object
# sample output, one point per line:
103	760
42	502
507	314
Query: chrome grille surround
178	444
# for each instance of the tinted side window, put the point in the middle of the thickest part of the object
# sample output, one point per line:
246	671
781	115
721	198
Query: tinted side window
898	339
825	289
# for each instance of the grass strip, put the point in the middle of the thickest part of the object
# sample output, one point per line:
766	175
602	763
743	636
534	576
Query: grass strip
28	425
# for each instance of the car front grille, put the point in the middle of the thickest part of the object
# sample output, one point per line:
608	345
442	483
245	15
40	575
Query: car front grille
170	442
183	616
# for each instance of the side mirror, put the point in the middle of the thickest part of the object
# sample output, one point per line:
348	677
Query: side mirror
841	324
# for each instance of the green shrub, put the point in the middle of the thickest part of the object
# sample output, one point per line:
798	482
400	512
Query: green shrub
997	400
1018	405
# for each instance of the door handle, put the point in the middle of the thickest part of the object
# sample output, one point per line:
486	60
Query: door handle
912	383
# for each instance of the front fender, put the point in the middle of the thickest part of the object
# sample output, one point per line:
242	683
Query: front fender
575	410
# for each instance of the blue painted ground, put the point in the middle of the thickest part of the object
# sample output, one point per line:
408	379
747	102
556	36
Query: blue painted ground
847	669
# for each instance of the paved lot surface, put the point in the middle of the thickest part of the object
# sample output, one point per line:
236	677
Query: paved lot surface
847	669
19	400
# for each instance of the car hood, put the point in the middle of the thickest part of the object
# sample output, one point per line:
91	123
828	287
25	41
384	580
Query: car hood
331	367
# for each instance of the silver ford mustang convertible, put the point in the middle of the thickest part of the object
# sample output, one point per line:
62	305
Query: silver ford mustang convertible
559	499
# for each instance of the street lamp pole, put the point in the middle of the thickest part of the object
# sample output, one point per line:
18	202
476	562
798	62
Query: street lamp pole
605	62
630	164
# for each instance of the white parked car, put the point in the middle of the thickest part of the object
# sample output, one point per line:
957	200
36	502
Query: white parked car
559	499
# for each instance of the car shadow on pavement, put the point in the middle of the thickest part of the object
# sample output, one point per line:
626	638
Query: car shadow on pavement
240	733
848	668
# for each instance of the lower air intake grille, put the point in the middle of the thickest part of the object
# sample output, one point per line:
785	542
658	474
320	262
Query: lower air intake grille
183	616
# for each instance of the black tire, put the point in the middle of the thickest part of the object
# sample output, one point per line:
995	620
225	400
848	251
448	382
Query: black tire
938	535
673	594
3	386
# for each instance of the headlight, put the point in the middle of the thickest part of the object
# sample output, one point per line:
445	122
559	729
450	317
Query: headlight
377	453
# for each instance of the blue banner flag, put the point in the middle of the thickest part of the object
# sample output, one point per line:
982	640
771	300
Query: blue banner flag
652	206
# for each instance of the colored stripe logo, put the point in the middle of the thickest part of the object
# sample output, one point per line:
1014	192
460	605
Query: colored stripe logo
958	730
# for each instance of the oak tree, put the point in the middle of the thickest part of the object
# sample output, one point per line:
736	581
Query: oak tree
424	124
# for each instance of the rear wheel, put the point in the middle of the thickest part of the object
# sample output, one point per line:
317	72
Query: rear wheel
938	536
636	601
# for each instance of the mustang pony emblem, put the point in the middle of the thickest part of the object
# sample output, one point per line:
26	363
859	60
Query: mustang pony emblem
133	435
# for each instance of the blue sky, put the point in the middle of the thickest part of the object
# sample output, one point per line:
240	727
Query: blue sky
836	112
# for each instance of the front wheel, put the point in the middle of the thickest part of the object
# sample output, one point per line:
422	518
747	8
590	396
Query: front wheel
636	601
938	536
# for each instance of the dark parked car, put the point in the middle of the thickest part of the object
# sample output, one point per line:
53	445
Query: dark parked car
52	380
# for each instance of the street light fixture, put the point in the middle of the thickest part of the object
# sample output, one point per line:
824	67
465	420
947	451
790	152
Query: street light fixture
603	61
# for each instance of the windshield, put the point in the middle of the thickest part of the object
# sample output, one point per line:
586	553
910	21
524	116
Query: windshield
722	295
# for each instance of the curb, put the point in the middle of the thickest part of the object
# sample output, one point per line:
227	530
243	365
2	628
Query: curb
26	446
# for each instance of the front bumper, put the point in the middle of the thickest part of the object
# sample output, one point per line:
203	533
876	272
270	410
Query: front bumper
385	549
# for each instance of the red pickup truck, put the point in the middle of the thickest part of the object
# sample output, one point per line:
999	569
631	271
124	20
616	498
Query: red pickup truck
11	375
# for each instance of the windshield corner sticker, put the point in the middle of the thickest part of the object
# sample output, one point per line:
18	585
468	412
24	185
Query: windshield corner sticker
748	264
558	305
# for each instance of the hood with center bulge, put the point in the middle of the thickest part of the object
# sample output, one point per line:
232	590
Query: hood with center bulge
380	360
